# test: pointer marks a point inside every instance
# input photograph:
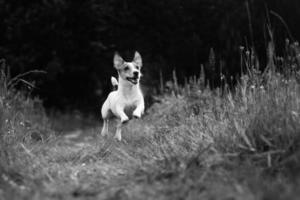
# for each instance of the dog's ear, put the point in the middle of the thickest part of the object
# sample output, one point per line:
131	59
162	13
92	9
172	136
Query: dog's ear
118	61
138	59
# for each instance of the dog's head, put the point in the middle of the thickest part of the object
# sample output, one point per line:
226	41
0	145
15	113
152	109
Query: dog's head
129	71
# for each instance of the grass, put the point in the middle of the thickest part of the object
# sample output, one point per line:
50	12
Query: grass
197	143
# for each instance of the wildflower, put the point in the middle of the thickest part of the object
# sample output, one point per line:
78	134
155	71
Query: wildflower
280	59
247	52
287	41
262	87
294	113
242	48
222	76
252	87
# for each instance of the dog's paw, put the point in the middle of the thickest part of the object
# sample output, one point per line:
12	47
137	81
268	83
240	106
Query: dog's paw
124	120
136	115
103	133
118	137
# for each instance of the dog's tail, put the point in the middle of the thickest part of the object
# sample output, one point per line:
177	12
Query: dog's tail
114	82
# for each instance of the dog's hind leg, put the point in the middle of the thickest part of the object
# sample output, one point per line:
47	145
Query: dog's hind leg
105	116
118	135
104	131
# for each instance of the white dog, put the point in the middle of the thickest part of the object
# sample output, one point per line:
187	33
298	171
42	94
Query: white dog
128	99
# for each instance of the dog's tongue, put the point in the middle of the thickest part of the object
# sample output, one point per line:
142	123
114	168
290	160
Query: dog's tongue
132	80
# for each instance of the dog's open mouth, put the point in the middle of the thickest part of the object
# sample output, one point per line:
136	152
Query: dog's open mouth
133	80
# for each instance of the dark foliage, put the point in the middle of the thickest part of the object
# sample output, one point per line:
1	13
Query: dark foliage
74	41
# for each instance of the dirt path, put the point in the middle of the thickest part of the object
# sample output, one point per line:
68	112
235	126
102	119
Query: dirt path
81	164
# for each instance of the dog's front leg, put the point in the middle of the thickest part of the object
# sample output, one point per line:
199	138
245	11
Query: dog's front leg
124	118
120	112
137	113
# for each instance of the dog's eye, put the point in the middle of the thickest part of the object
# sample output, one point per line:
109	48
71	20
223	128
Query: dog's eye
137	67
126	68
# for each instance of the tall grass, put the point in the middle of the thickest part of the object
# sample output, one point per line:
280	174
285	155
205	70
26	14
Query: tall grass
23	121
259	117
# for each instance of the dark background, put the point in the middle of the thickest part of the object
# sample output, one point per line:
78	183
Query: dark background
74	41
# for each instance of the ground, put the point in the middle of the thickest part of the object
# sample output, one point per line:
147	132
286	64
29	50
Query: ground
203	144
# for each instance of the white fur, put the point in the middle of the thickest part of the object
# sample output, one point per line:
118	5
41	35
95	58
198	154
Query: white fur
128	95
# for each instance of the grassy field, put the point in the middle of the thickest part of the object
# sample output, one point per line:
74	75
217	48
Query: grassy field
196	143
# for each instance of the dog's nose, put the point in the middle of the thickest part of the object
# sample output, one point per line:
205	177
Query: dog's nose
135	74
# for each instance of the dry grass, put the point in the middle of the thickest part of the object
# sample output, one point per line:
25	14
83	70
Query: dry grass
200	144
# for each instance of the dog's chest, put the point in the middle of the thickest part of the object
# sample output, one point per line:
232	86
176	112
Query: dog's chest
130	98
129	110
130	104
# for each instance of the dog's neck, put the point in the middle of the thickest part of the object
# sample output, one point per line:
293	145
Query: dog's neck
126	88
